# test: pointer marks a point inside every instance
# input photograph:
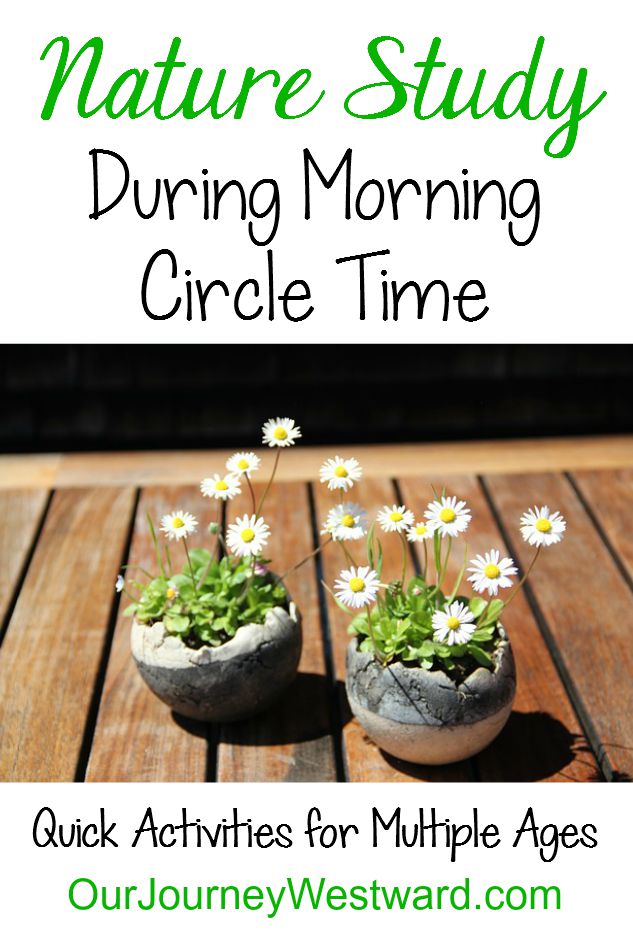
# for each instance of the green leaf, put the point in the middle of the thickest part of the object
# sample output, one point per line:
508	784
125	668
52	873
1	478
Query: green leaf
477	605
176	623
480	655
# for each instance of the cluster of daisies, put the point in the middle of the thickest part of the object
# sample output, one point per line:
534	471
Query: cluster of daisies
445	518
454	620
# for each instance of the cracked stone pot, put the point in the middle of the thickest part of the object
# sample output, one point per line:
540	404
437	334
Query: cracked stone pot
221	683
424	717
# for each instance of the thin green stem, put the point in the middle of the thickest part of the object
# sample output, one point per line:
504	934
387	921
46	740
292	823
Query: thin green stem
305	559
405	554
426	561
270	481
378	653
193	580
348	556
523	579
252	492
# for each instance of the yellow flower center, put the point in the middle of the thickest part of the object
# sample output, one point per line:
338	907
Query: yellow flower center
453	623
347	520
178	522
242	464
357	585
247	535
171	593
340	471
448	515
421	530
280	433
492	571
221	486
543	525
395	516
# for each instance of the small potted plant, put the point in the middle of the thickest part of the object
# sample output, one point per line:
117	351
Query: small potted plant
218	637
430	672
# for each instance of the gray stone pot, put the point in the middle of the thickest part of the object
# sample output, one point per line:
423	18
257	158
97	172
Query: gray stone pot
425	717
221	683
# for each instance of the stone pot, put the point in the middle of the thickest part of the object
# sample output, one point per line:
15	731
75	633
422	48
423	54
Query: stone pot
221	683
425	717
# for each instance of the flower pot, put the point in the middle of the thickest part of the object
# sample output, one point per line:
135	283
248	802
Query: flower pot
426	717
221	683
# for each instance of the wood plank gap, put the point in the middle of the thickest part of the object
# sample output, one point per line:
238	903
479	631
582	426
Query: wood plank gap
28	557
93	708
326	639
577	703
600	531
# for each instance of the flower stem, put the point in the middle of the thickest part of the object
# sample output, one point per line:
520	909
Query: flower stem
250	488
426	560
350	560
270	481
523	579
312	553
193	579
377	652
405	554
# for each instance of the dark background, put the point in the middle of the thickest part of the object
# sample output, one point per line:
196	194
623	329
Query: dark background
60	398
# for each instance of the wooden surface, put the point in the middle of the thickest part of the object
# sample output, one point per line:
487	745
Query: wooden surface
73	707
189	467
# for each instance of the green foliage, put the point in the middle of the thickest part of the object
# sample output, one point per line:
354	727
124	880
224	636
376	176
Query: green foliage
401	630
210	605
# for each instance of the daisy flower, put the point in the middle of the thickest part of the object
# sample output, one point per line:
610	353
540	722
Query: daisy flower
340	473
172	593
178	525
280	432
395	518
357	587
448	516
538	526
346	521
247	536
420	532
243	462
491	572
454	624
221	487
120	583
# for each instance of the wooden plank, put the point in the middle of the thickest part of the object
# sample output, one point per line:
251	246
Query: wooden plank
293	740
364	760
52	650
137	737
174	467
585	603
609	494
543	740
20	515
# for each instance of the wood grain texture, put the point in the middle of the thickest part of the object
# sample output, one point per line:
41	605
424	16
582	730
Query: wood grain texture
364	760
137	737
543	740
293	740
585	603
609	495
52	650
175	467
20	515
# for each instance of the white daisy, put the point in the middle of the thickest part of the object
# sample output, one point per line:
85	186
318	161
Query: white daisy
178	525
120	583
243	462
448	516
420	532
346	521
280	432
357	587
247	536
395	518
221	487
454	624
538	526
340	473
491	572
